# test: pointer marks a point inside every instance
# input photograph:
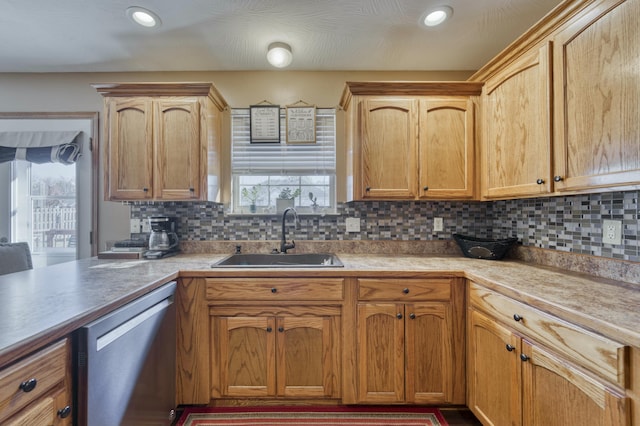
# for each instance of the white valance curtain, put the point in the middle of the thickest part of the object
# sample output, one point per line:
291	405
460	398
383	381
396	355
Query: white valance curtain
40	147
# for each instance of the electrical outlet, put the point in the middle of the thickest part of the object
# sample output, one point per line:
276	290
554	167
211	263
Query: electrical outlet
612	232
438	224
146	226
352	224
135	226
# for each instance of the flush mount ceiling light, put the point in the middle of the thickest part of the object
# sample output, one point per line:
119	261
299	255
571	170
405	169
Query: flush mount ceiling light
279	54
144	17
437	16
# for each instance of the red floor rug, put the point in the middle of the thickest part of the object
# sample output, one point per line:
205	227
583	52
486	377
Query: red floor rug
312	416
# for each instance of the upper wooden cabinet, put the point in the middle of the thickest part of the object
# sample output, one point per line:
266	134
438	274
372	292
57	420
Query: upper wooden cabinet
596	71
517	134
560	104
410	140
163	141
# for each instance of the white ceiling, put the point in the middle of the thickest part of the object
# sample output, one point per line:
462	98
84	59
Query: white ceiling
223	35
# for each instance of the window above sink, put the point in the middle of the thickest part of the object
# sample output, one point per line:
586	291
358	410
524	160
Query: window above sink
260	171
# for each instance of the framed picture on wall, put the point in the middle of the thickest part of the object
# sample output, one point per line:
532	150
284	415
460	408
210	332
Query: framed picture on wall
301	124
265	123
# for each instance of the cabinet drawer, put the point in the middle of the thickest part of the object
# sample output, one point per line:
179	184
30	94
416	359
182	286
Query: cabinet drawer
604	357
47	368
404	289
275	289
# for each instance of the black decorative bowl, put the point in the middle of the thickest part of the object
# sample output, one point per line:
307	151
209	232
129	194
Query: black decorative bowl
483	248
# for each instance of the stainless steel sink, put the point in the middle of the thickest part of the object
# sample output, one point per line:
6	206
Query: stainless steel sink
280	260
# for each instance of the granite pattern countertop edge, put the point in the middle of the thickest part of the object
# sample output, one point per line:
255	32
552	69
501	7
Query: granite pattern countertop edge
63	297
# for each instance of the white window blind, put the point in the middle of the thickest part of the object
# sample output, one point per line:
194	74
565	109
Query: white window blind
282	158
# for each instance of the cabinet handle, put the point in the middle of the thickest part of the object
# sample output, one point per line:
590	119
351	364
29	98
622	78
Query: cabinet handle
399	315
405	291
558	178
63	413
412	315
426	188
269	329
192	189
540	181
274	290
517	317
28	385
510	348
145	189
281	329
368	188
524	357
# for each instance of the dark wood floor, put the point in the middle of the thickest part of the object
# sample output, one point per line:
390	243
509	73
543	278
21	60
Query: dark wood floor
459	417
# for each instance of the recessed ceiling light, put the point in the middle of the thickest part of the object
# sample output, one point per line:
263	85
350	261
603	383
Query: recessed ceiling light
144	17
437	16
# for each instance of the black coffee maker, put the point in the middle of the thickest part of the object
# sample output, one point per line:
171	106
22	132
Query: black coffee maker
163	240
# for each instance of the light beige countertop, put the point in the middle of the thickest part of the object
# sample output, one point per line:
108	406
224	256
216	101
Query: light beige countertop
42	305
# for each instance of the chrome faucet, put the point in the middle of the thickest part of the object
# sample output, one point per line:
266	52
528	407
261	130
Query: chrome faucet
284	246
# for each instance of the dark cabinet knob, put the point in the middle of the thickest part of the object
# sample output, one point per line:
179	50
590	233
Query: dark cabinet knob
524	357
281	329
145	189
405	291
274	290
426	188
269	329
412	315
28	385
399	315
368	188
517	317
540	181
63	413
558	178
192	189
510	348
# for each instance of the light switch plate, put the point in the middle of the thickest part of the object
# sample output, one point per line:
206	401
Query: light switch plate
352	224
438	224
146	227
612	232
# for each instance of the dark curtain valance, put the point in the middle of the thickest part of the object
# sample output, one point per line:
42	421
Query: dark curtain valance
40	147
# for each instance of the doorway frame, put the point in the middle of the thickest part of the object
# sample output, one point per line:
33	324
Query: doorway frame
94	147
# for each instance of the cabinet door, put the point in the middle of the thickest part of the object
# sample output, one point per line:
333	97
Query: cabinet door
179	149
388	135
557	394
517	137
129	171
307	354
493	372
597	87
246	347
380	332
446	148
429	353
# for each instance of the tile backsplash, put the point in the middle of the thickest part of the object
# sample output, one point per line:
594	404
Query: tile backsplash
570	223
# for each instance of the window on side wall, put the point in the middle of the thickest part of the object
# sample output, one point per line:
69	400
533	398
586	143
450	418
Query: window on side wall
263	170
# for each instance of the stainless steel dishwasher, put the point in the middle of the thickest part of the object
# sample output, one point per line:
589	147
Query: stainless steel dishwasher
125	365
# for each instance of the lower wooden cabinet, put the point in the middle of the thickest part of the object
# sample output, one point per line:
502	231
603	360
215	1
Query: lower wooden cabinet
514	380
410	352
289	352
36	391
